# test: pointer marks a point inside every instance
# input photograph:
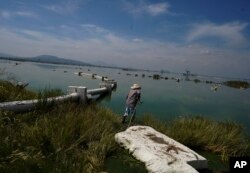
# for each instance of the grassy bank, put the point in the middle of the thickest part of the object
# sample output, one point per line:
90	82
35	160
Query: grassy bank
11	92
70	137
66	137
237	84
223	138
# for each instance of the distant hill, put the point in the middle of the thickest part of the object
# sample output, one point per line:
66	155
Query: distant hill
6	55
55	60
44	59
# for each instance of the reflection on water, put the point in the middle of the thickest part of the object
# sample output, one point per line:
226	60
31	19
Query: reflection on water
165	98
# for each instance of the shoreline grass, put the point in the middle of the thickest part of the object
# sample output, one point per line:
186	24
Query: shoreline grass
199	133
10	92
237	84
67	138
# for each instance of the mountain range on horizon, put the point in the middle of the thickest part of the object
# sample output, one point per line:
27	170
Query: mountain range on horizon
6	55
44	59
55	59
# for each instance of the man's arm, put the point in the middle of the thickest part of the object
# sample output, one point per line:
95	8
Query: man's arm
139	96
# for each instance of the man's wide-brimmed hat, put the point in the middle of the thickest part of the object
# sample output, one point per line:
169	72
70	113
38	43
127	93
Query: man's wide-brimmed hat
135	86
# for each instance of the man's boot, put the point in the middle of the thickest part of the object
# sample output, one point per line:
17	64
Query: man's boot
124	119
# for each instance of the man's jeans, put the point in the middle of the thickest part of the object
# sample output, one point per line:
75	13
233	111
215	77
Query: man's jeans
128	111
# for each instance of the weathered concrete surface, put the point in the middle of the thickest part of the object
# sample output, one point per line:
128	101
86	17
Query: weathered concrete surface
26	105
75	93
160	153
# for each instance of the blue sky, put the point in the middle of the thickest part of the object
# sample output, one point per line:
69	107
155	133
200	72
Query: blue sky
205	36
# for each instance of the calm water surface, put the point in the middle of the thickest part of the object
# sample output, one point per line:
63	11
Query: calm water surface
164	99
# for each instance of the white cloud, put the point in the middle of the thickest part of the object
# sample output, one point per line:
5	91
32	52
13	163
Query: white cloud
5	14
26	14
144	8
229	32
137	40
8	14
32	34
93	28
65	8
157	9
205	51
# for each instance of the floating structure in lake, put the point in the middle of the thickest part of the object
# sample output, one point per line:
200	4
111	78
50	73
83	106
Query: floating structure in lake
156	77
93	76
214	87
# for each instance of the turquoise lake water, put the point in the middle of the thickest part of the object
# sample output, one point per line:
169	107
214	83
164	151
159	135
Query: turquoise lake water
164	99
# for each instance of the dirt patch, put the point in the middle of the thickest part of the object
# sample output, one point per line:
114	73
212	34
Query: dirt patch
156	139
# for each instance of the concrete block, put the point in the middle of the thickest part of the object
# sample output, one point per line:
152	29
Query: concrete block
160	153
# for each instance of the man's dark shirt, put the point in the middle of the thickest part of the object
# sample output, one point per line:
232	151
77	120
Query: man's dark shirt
133	97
